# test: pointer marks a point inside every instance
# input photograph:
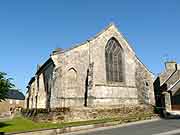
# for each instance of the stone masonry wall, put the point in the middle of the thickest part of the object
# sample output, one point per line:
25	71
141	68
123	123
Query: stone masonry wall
103	92
32	95
83	114
80	73
48	82
144	84
41	99
88	62
70	77
44	81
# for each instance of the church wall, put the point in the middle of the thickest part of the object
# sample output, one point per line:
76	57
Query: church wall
26	105
41	99
99	57
103	92
32	95
144	84
39	93
48	82
70	77
82	70
56	91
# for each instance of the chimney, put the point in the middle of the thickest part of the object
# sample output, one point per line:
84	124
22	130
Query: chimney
57	50
171	65
178	66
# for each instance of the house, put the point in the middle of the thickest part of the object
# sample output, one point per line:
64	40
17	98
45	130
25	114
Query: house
14	99
103	71
167	87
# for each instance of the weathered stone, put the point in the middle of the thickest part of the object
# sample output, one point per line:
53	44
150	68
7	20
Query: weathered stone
87	113
77	77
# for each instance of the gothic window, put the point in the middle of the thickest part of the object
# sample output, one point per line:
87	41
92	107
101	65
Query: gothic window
71	78
114	61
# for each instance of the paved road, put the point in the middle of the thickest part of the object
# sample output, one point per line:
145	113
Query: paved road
160	127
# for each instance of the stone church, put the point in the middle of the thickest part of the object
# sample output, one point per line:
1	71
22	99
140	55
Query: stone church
102	71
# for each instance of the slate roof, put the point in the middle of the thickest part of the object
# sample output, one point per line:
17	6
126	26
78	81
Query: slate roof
44	65
32	79
169	76
175	87
15	94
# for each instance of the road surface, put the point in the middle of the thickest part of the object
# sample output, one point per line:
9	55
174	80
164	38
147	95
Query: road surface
159	127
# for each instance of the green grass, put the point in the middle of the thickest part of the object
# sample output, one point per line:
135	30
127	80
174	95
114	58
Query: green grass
23	124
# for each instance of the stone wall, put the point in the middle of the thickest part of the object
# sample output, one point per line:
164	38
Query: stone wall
78	77
44	79
82	114
41	93
87	62
144	84
168	106
26	101
39	89
112	93
8	104
70	78
32	94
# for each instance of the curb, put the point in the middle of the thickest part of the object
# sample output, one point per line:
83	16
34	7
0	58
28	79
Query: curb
111	126
82	129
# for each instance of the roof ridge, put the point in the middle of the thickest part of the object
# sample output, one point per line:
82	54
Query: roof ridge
174	84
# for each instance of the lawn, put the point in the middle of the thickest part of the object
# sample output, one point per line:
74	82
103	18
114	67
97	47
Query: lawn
23	124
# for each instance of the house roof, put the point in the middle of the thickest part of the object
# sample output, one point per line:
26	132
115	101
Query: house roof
172	86
15	94
169	77
32	80
175	87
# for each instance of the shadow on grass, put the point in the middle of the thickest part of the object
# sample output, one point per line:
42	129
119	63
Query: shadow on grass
3	124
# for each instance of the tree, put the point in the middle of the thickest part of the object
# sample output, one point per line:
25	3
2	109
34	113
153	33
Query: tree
5	85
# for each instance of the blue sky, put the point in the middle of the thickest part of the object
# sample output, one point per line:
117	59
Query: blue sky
31	30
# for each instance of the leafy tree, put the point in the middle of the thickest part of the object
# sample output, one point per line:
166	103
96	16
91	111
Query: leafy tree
5	85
